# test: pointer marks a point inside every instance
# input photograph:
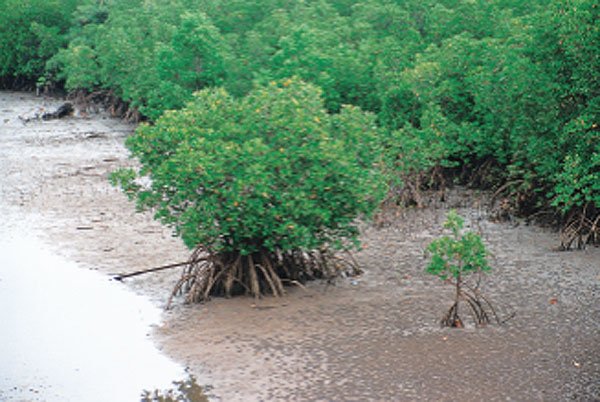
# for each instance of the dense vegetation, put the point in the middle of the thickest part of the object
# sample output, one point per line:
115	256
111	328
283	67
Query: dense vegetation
502	93
31	32
265	185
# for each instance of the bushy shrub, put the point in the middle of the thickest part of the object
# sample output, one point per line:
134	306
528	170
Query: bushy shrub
265	184
576	171
578	177
31	31
519	98
150	54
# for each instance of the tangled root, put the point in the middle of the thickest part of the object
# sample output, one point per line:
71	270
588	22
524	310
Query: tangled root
581	229
88	101
417	187
230	273
480	308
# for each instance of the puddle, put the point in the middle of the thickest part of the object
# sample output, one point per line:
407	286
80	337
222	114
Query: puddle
70	334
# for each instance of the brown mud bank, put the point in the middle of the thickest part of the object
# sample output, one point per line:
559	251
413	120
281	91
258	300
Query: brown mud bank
375	337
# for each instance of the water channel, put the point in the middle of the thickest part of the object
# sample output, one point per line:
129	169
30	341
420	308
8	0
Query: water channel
67	333
70	334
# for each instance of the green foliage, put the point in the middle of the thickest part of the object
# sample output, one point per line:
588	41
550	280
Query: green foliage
270	171
151	54
522	93
452	83
458	254
578	180
31	31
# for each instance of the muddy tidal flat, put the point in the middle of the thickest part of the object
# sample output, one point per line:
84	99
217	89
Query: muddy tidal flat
375	337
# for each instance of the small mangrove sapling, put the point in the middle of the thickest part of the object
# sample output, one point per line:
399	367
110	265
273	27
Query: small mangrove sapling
455	257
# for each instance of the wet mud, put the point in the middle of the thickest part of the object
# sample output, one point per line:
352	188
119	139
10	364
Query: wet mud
375	337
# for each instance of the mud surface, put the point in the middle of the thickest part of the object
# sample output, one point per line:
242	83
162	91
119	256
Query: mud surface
375	337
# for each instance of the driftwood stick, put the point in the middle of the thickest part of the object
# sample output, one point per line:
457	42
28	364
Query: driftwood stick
149	270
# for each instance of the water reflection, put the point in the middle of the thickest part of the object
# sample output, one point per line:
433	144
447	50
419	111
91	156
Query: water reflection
184	391
68	334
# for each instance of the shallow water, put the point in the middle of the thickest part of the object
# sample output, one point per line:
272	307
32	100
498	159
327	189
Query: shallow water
70	334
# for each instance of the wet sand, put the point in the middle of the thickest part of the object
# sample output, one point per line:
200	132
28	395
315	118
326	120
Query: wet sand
375	337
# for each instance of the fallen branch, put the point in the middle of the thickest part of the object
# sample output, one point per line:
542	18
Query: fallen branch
149	270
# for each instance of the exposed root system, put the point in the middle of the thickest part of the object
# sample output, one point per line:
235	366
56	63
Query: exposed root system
481	309
418	189
93	101
264	272
581	229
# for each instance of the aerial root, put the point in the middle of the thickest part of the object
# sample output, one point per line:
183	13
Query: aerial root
228	273
480	308
581	229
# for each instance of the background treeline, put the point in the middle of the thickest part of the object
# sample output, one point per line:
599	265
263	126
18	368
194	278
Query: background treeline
501	92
